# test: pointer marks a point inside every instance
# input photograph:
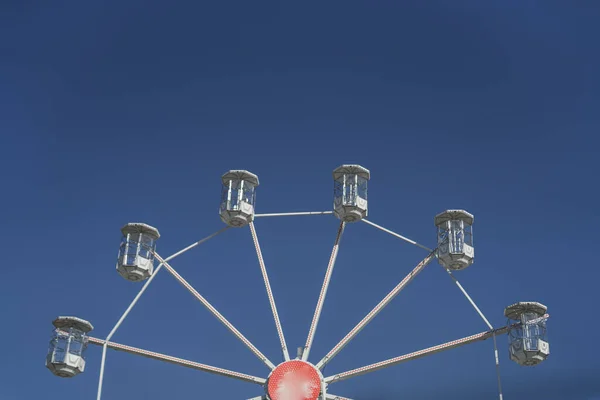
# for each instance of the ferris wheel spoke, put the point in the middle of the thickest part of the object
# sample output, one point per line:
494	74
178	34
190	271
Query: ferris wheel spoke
293	214
177	361
485	320
464	292
418	354
329	396
138	296
323	293
381	228
373	313
199	242
263	269
143	289
216	313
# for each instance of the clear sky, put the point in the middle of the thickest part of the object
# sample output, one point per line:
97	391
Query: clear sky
131	110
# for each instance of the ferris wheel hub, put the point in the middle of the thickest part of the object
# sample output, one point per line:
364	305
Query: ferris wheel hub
295	380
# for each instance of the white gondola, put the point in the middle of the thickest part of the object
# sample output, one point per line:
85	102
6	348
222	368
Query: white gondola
528	344
67	346
238	197
455	239
350	192
136	260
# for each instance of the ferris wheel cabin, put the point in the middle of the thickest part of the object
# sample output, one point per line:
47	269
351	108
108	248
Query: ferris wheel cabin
350	192
238	197
528	344
135	261
67	347
455	239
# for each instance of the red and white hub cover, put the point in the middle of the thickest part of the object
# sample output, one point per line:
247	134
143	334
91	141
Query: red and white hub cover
294	380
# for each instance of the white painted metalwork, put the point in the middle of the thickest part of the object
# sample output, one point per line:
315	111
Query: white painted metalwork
417	354
178	361
376	310
293	214
538	320
117	325
496	358
527	342
238	197
397	235
335	397
135	262
527	320
441	219
323	293
350	192
263	269
66	355
135	300
216	313
455	239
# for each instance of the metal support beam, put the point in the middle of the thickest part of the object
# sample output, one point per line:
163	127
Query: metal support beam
117	325
178	361
397	235
293	214
135	300
216	313
373	313
323	293
418	354
464	292
263	269
485	320
329	396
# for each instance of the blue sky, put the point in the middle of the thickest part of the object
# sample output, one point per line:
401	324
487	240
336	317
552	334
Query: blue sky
123	111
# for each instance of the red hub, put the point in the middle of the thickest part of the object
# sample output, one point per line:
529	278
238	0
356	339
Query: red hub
294	380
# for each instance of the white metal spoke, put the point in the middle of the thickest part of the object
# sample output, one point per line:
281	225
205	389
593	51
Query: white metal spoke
263	269
329	396
397	235
135	300
118	324
293	214
216	313
199	242
178	361
323	293
417	354
373	313
464	292
496	358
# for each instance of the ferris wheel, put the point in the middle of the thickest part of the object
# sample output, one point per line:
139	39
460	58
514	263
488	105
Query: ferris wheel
299	378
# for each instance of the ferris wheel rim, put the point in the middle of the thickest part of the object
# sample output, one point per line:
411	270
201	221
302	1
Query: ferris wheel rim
238	210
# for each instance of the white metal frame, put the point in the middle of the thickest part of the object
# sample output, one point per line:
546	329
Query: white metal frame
263	269
323	293
305	352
